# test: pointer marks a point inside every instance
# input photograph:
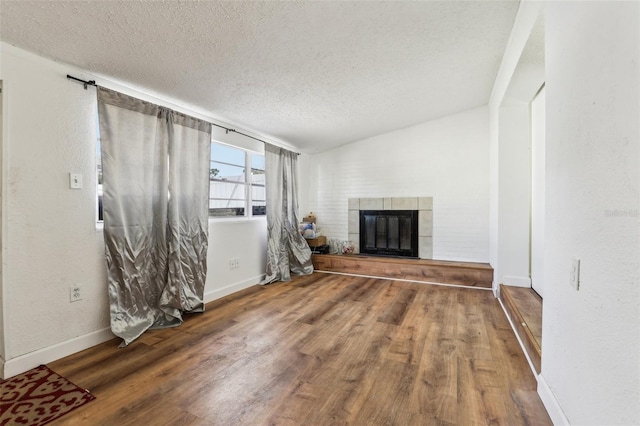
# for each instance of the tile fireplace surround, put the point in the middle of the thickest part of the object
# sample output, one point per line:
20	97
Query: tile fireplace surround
424	205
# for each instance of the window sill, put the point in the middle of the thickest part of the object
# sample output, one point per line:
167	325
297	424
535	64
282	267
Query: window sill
236	219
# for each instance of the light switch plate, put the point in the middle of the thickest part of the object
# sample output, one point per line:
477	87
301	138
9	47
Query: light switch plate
75	180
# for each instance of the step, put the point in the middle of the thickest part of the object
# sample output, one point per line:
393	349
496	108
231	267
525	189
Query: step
524	308
466	274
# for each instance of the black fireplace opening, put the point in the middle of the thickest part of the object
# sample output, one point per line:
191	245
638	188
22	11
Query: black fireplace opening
389	232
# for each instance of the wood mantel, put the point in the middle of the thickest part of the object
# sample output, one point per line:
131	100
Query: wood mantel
429	271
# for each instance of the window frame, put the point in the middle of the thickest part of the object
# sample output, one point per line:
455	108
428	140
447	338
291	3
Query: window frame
248	184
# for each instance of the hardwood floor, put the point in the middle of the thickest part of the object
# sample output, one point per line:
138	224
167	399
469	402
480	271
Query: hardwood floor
322	349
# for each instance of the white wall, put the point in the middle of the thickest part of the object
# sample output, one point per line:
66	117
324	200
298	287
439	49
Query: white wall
515	195
591	337
447	159
508	216
51	239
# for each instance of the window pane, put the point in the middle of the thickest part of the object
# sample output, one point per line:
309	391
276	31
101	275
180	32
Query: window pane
226	191
99	170
227	154
226	211
226	172
257	168
226	207
258	193
236	190
259	208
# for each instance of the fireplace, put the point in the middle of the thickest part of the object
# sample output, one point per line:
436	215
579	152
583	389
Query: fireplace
391	206
389	232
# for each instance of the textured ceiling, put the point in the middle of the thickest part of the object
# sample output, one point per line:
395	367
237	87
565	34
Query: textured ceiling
313	74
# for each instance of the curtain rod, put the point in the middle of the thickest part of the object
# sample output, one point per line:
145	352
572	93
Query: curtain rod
227	129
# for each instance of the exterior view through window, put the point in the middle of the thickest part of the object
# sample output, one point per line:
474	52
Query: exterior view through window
237	183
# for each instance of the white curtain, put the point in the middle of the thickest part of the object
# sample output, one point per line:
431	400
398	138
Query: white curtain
155	166
287	250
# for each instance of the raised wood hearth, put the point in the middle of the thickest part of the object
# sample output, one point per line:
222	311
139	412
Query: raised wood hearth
429	271
524	308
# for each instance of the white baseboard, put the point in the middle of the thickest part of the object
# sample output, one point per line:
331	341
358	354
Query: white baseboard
551	403
516	281
33	359
232	288
49	354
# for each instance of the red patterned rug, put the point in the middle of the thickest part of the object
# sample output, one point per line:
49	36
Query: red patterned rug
38	397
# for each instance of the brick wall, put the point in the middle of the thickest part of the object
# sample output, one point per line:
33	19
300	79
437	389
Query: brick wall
447	159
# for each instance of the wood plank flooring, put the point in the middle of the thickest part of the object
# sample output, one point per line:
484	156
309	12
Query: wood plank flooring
524	307
320	350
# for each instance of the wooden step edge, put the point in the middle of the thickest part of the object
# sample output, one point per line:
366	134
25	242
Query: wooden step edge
522	329
425	262
521	320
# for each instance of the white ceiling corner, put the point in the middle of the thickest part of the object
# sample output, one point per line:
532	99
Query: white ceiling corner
315	74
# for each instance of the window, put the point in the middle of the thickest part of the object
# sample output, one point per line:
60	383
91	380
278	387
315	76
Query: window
258	189
98	172
233	191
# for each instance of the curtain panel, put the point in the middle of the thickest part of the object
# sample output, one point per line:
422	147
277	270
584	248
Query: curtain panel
155	166
287	251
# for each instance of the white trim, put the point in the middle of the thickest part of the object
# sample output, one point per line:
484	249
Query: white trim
514	281
52	353
545	393
49	354
551	403
4	167
404	280
232	288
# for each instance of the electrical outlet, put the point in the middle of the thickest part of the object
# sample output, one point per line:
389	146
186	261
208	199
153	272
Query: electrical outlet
575	273
75	293
234	263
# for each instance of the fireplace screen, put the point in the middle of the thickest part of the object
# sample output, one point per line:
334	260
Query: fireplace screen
389	232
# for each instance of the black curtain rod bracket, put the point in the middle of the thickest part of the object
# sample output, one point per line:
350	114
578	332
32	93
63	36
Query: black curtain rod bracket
84	82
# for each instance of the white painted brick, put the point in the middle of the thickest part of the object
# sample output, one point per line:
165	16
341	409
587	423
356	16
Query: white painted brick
446	159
